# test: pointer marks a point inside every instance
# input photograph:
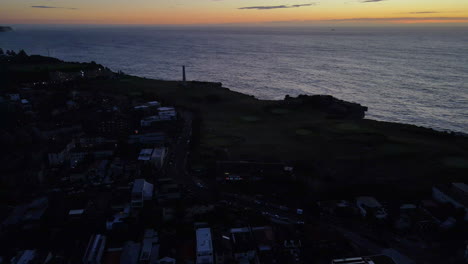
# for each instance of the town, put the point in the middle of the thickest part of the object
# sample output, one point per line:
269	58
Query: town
99	176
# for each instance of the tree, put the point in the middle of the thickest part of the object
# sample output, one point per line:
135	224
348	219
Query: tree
11	53
22	53
1	52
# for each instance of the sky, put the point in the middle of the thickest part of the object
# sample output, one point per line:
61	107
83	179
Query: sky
249	12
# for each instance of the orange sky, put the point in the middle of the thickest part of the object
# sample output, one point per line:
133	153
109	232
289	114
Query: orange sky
297	12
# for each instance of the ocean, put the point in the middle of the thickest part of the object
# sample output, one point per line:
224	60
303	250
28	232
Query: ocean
412	75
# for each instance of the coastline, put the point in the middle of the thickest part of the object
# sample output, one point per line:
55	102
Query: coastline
5	29
315	133
398	92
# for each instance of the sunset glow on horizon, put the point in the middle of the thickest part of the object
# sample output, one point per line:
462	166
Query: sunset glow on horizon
188	12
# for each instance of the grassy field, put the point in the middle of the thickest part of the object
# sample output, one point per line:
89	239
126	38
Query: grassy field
240	127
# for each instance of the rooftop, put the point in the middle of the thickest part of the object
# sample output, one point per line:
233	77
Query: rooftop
368	201
166	108
145	154
204	243
461	186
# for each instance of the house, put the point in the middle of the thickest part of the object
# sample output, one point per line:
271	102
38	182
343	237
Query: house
26	105
98	170
130	253
118	218
78	154
145	154
155	138
244	247
112	255
95	249
116	125
150	247
235	171
154	156
158	156
28	215
148	121
364	260
264	237
25	257
204	246
167	113
141	191
164	114
155	104
369	206
90	141
59	152
14	97
76	214
223	248
167	260
455	194
149	108
466	253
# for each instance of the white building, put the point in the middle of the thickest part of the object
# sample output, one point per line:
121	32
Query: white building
95	249
141	191
156	156
145	154
167	113
204	246
369	205
153	104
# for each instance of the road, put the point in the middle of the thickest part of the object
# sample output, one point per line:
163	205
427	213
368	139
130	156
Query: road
176	163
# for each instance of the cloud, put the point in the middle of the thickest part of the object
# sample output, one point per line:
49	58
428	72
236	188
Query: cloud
276	7
377	19
48	7
44	7
424	12
372	1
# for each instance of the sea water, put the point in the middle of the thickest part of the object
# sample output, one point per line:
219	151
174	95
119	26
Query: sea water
414	75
